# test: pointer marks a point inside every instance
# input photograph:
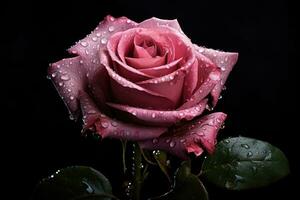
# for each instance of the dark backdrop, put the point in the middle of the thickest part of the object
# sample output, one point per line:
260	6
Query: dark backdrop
259	97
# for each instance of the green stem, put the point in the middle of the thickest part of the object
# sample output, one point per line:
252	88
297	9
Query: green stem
136	172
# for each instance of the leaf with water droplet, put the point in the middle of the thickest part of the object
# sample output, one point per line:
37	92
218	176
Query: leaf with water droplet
76	182
186	186
243	163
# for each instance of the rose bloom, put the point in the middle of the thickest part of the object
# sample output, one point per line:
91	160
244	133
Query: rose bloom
145	82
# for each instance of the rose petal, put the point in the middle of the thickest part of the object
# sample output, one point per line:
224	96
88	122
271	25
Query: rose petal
171	84
140	52
126	92
225	61
88	47
187	137
197	79
160	117
106	127
144	63
203	90
68	76
190	81
162	70
120	42
155	22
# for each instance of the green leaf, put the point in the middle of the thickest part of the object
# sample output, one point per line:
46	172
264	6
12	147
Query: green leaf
243	163
186	186
74	183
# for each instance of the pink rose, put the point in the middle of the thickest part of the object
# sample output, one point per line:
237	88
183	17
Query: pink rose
145	82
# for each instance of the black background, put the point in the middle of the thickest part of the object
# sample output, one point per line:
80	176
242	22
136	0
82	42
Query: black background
259	97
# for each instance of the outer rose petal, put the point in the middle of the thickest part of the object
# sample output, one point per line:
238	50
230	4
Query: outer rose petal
68	76
161	118
126	92
225	61
106	127
187	138
155	22
74	74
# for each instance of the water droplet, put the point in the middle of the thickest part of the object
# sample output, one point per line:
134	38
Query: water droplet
226	141
89	189
65	77
249	154
214	76
239	178
155	141
229	184
103	41
172	144
98	34
91	112
269	156
201	50
128	21
81	61
201	134
153	115
114	123
111	29
94	39
104	124
71	98
71	117
220	97
60	84
223	69
222	126
246	146
84	44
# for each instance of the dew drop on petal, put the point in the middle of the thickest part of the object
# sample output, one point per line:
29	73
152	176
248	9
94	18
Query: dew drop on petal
114	123
65	77
111	29
104	124
84	44
172	144
71	97
153	115
103	41
94	39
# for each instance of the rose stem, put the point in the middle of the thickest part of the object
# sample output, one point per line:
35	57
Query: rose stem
136	172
